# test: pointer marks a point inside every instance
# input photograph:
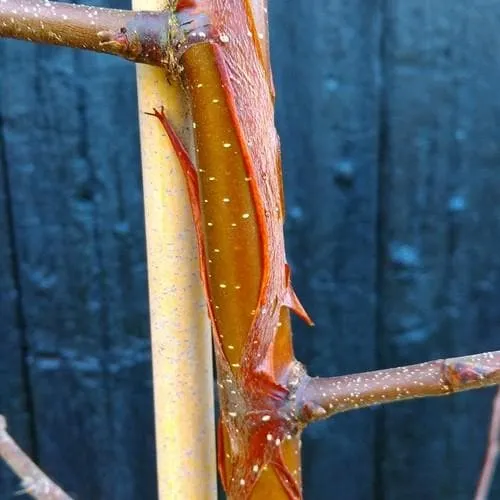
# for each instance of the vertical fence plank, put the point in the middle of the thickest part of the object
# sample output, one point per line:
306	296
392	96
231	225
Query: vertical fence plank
71	147
14	387
111	133
69	135
325	61
440	273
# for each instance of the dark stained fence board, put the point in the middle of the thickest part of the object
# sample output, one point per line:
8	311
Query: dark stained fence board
58	265
70	125
389	116
14	390
325	60
113	152
440	192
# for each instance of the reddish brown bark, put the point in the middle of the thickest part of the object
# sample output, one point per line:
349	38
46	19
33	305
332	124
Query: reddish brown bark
242	249
155	38
321	398
266	396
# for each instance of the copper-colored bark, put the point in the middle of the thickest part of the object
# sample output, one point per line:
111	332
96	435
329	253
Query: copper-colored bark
234	260
247	280
237	249
266	396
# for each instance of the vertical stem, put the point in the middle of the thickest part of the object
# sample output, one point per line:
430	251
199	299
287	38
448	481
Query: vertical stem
490	461
182	363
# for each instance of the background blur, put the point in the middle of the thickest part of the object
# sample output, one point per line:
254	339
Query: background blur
389	114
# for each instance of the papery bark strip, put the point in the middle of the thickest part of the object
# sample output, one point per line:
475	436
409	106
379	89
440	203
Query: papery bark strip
246	276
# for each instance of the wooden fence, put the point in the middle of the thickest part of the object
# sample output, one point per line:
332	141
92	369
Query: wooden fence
389	114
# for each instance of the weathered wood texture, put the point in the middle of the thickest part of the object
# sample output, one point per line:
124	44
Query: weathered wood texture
325	64
439	274
389	115
73	268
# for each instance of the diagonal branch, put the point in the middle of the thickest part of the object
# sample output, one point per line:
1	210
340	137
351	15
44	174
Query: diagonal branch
492	452
323	397
145	37
34	481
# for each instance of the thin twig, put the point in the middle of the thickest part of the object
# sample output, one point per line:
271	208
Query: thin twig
145	37
33	480
491	458
321	398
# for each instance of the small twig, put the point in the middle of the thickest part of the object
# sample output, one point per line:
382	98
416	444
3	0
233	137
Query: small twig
491	458
33	480
145	37
323	397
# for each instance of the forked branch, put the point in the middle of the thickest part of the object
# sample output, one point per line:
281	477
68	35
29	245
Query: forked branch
323	397
33	480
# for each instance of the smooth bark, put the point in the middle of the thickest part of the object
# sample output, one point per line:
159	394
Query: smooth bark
180	334
323	397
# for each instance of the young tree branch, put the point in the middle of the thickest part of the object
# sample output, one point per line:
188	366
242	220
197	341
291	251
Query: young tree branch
33	480
142	36
490	461
323	397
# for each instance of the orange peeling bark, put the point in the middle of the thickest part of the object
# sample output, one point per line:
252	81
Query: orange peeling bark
246	293
237	205
233	253
247	280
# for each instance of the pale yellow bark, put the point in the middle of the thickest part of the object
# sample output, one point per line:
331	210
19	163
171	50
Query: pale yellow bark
181	343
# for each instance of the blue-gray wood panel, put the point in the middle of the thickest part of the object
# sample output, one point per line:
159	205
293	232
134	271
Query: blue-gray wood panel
325	61
389	118
15	392
439	274
70	150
